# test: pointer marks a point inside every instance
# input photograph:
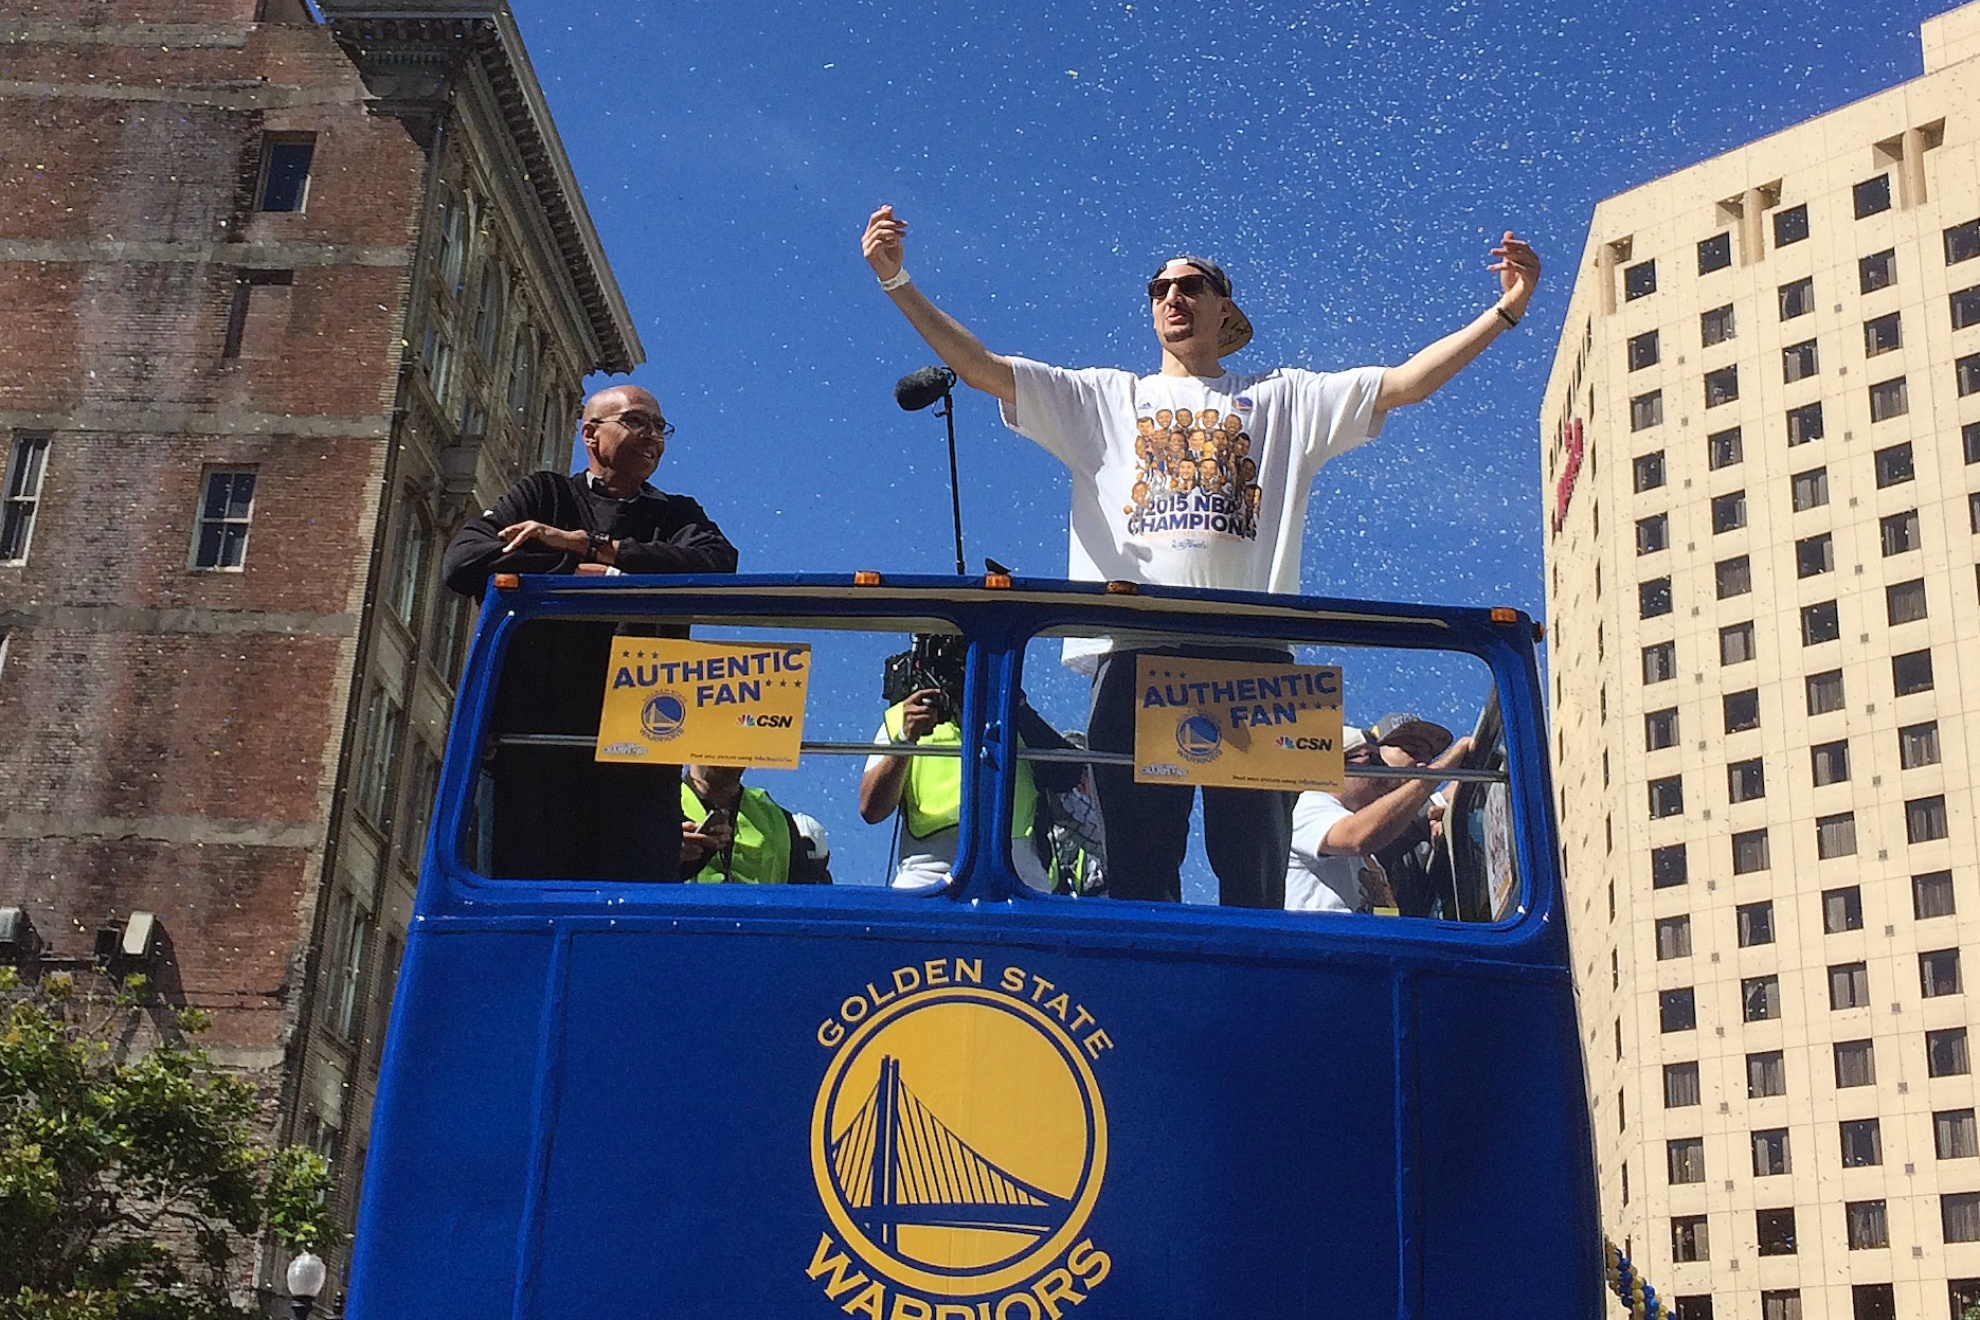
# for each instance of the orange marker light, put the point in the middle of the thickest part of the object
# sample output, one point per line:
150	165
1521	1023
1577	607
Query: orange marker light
1120	588
506	581
997	581
866	577
1502	614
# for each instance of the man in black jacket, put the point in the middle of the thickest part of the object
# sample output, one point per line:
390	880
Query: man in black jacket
558	813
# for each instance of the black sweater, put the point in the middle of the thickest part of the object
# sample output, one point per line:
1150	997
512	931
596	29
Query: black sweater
656	532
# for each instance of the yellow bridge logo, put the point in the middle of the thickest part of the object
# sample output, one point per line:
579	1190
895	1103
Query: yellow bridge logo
959	1142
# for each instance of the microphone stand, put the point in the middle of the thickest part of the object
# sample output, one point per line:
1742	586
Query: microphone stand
948	414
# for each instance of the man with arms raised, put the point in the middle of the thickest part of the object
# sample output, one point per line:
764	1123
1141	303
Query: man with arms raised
1245	536
559	813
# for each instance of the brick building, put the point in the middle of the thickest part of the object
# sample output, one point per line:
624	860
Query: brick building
287	298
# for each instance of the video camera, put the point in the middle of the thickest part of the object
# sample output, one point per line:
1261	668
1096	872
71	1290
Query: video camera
934	661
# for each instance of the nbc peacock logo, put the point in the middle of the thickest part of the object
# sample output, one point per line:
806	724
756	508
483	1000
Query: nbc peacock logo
958	1144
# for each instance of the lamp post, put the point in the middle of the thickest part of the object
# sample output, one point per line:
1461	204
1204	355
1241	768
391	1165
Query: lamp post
306	1275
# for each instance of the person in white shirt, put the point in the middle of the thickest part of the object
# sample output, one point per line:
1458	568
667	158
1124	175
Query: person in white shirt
1335	836
1125	438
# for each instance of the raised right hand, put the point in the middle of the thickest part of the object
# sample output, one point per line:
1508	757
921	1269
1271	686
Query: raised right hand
882	243
920	714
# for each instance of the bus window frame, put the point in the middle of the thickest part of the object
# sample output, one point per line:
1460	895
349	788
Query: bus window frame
997	642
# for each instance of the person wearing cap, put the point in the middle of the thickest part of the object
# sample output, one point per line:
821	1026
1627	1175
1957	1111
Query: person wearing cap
1334	865
1245	537
1403	740
732	833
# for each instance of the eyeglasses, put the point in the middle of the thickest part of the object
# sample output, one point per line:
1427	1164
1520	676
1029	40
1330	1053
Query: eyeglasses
1189	286
640	421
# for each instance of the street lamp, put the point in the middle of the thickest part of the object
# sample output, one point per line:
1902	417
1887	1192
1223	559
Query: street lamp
306	1275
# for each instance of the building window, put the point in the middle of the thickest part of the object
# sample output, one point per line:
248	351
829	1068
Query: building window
1716	326
1750	851
1776	1231
1780	1304
1804	424
1694	1306
1643	350
1819	623
1872	1301
1668	868
1640	280
378	750
1685	1159
1728	512
1660	729
1770	1152
1799	361
1969	436
1673	938
1659	663
1953	1135
1938	973
1766	1074
1835	836
1963	1295
1911	673
1959	1216
1736	643
1877	271
1904	602
285	161
1932	895
1756	923
1791	225
1966	374
1760	998
1680	1085
1723	449
488	311
1676	1010
1925	819
1746	780
1715	253
1962	242
1646	410
1945	1053
1872	196
1666	797
1721	386
1842	909
1918	744
522	377
421	787
1811	489
1867	1229
1688	1239
1649	471
1829	762
225	511
345	966
1882	334
1825	692
1814	555
1849	986
1888	399
1653	533
1965	305
1653	598
447	642
1797	299
26	466
1894	465
1899	532
1856	1064
409	566
1734	577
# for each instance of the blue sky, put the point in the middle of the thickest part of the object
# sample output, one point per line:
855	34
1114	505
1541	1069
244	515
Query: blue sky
1350	164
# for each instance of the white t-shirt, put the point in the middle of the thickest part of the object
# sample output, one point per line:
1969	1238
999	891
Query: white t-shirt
1191	481
1318	881
923	865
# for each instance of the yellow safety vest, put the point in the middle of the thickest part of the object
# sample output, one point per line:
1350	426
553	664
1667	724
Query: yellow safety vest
762	852
932	797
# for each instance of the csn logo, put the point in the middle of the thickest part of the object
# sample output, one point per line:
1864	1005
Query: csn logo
766	721
958	1144
1290	744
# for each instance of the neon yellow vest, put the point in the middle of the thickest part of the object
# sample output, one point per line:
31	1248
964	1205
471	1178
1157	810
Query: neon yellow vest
932	797
762	853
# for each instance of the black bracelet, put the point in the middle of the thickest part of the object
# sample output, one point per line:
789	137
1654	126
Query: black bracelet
1505	316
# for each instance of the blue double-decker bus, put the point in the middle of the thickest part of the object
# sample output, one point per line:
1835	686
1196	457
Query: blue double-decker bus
981	1098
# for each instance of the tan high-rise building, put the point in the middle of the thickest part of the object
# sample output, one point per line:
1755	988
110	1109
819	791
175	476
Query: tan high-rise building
1762	440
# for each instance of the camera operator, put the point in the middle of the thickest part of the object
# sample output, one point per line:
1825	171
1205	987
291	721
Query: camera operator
927	790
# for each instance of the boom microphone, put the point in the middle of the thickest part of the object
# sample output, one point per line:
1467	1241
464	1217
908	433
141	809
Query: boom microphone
918	389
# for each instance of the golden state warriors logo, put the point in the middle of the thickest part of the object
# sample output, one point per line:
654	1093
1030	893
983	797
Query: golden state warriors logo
1198	738
663	716
958	1144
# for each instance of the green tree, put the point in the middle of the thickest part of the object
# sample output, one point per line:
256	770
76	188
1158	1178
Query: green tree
130	1188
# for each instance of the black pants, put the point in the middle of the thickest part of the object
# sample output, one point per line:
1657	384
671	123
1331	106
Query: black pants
561	815
1247	832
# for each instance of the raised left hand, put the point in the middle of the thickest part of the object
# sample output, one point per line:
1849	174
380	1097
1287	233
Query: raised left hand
1519	272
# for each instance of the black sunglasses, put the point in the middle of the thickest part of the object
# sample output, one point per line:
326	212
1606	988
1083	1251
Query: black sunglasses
1190	286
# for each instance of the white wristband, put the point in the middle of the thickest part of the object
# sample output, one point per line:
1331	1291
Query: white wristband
895	281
